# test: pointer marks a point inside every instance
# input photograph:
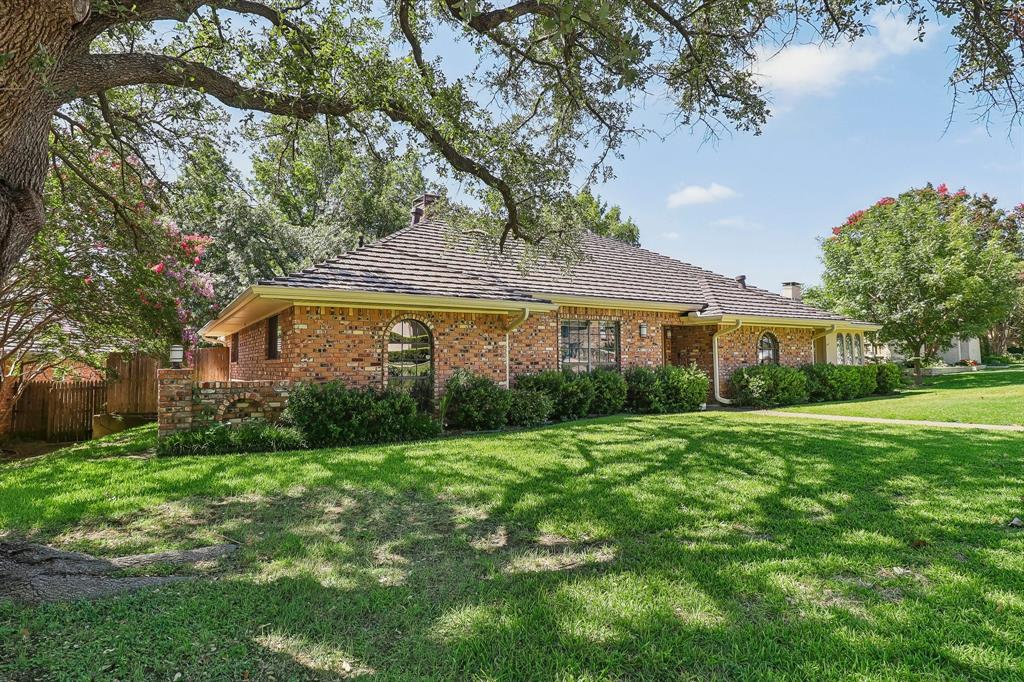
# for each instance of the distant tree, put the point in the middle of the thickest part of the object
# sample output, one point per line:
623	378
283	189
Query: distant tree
926	266
606	221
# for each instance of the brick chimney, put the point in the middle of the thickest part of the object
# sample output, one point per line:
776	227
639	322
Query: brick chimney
420	204
742	279
793	290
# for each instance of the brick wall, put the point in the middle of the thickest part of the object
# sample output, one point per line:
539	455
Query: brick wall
534	345
183	405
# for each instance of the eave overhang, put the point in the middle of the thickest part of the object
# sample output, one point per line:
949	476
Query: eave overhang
261	301
792	322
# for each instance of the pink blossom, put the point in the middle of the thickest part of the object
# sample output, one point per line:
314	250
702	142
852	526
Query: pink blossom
159	268
942	189
961	193
196	260
88	279
885	201
836	230
854	217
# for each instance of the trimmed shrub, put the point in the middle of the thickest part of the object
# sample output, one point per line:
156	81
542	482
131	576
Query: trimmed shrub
570	392
333	414
868	380
889	377
609	392
769	386
683	389
251	436
644	390
838	382
528	407
475	402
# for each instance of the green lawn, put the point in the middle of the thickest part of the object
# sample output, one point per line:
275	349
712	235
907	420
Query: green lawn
986	397
704	546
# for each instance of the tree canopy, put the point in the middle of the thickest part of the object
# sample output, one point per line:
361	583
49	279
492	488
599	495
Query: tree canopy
520	103
927	265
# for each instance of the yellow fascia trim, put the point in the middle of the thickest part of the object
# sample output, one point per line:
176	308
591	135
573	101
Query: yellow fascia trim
794	323
621	303
365	299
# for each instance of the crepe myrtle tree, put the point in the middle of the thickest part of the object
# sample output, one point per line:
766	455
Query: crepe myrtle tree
928	266
546	100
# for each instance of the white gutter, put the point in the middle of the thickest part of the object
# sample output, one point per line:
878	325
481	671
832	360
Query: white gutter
714	362
512	326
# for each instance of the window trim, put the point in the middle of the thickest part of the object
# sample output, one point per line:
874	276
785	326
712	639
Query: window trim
274	337
410	380
591	333
776	348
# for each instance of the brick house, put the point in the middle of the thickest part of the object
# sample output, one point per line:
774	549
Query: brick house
420	303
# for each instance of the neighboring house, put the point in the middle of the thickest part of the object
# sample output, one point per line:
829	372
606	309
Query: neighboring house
958	351
415	306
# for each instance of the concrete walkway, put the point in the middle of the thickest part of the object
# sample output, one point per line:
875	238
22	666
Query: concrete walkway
880	420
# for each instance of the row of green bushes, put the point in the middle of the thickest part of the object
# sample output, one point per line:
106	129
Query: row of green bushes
776	385
331	414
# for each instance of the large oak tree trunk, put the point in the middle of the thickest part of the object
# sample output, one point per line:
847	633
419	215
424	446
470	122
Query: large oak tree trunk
35	40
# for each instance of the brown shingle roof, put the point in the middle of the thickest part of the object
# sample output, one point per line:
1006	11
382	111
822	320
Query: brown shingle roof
428	258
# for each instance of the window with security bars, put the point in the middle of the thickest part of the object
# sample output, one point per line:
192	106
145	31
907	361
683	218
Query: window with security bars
587	345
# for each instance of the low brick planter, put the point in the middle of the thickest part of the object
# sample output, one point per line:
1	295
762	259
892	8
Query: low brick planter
184	404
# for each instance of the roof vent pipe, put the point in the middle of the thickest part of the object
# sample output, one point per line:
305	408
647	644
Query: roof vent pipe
742	279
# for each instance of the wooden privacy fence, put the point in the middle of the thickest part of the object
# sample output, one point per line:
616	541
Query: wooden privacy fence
213	364
59	411
132	385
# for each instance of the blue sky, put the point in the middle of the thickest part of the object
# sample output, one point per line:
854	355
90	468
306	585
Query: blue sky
851	125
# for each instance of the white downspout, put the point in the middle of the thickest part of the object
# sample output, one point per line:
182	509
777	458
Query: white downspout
512	326
714	362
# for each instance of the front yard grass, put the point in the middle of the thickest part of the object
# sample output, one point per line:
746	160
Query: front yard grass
703	546
985	397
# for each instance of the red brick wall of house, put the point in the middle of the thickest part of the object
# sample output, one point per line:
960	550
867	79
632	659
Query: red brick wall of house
323	343
319	343
738	349
534	345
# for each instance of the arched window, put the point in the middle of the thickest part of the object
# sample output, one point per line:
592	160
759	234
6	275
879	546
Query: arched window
768	349
850	359
410	360
840	349
858	347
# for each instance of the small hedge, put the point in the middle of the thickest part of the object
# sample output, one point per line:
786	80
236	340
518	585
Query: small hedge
475	402
769	386
571	392
331	414
527	407
609	392
666	389
251	436
888	378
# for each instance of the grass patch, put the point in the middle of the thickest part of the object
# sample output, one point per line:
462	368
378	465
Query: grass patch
986	397
721	546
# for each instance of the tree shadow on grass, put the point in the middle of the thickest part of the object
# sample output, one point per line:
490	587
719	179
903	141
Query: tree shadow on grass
701	546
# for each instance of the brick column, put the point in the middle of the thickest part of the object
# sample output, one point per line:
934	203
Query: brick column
174	400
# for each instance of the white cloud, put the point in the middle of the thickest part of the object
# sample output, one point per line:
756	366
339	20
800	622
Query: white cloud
737	223
695	194
819	70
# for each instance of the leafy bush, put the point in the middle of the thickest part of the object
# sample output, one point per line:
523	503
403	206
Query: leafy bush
683	389
769	386
333	414
475	402
644	390
868	380
666	389
570	392
996	360
609	392
889	377
528	407
250	436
